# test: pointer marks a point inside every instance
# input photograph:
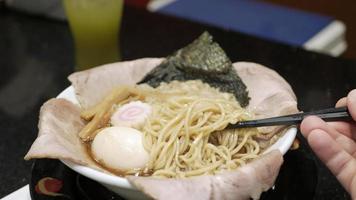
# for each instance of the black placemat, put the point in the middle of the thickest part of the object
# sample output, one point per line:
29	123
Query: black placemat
52	180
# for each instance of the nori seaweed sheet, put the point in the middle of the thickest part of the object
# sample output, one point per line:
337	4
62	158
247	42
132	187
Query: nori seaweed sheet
203	59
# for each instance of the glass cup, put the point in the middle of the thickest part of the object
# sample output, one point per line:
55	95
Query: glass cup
95	26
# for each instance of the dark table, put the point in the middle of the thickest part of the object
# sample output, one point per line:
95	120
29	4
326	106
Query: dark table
36	56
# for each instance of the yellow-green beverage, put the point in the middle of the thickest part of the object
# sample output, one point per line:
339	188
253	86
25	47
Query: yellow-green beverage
95	28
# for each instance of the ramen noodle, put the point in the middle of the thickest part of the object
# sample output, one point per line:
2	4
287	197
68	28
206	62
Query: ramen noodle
185	132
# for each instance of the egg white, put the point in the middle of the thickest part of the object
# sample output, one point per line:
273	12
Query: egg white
120	148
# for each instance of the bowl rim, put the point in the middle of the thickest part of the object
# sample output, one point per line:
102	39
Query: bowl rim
282	144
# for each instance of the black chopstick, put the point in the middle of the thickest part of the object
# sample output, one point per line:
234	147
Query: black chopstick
330	114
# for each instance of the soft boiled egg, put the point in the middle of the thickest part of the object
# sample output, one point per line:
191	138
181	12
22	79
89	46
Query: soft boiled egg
120	148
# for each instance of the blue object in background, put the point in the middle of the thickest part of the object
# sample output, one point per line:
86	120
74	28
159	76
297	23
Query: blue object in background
252	17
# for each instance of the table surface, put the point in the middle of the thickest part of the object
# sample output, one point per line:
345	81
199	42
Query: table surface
36	56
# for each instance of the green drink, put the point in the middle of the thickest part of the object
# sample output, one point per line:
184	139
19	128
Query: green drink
95	28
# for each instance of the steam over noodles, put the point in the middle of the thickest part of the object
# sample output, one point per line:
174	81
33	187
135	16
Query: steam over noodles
184	134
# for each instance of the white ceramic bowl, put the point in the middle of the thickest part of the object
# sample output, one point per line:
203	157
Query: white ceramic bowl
121	185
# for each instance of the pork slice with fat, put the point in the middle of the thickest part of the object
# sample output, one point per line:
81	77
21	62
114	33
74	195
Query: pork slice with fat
59	125
246	182
92	85
270	94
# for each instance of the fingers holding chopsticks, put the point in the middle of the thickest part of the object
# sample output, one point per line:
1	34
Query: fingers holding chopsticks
342	138
337	151
335	143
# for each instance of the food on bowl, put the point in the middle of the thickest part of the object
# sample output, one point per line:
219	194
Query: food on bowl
120	149
161	123
181	124
204	60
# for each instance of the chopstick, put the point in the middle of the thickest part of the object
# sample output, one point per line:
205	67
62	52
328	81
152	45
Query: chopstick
330	114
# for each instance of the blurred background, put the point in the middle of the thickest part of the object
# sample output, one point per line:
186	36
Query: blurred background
323	26
343	10
328	27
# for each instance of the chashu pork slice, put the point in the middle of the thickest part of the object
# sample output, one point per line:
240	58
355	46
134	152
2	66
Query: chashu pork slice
92	85
246	182
59	125
271	95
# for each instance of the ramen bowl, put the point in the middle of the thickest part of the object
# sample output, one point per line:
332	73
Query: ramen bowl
121	185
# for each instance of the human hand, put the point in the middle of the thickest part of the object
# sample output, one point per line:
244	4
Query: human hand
335	143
